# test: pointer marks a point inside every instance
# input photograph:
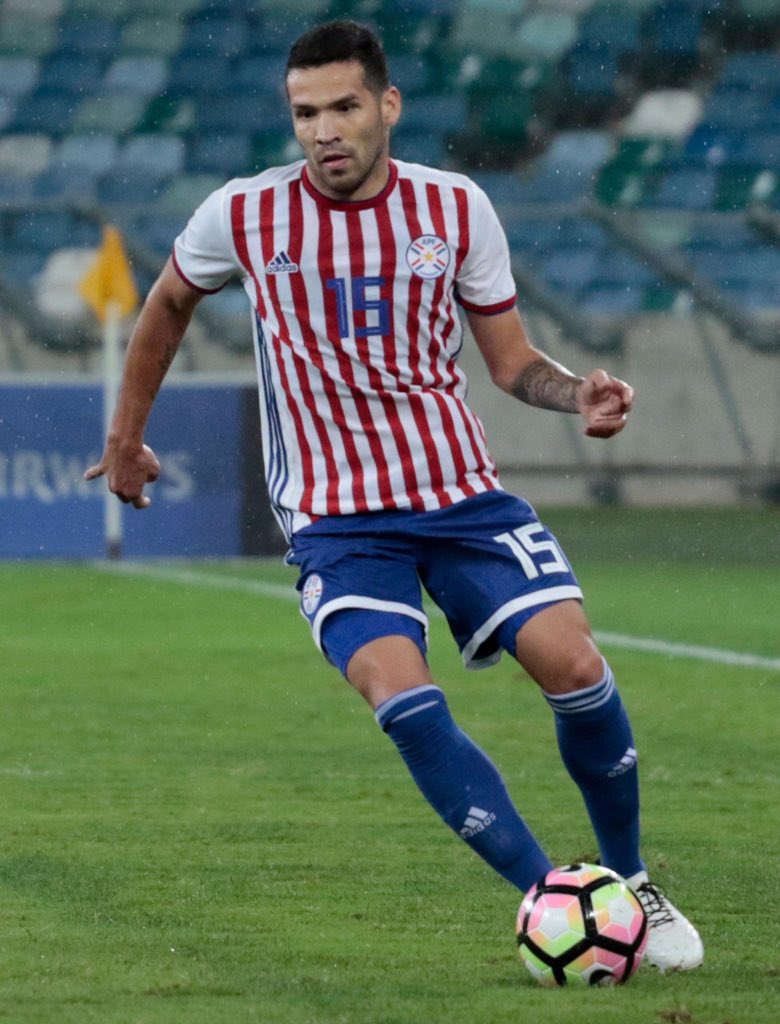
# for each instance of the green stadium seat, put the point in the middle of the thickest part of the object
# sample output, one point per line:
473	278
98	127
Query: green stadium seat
545	35
187	191
43	10
151	37
116	9
108	115
169	114
24	155
272	149
741	187
486	26
619	185
25	36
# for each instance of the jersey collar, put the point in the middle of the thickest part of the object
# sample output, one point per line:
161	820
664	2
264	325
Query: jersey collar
351	204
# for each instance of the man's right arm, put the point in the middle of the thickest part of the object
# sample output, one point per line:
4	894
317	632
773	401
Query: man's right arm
127	463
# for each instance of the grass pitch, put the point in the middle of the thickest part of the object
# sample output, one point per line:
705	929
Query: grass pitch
201	824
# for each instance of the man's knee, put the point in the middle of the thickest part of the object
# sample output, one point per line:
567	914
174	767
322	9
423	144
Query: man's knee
386	666
558	651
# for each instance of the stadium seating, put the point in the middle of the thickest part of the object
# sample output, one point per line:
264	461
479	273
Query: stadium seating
655	108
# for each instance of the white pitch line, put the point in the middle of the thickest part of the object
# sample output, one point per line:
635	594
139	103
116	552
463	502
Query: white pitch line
285	592
716	654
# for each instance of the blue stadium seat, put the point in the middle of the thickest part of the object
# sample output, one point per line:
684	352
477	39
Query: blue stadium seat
620	269
241	112
611	300
757	71
734	108
572	269
418	147
18	75
674	30
500	186
89	36
443	114
69	72
90	155
610	27
411	72
220	36
47	112
261	73
759	149
136	186
578	151
591	74
158	229
7	111
229	155
687	188
530	238
196	75
47	230
143	76
162	155
710	145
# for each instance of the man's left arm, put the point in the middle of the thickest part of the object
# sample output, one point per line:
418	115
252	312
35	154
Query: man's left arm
522	370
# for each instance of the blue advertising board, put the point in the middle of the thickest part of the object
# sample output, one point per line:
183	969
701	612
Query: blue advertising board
50	433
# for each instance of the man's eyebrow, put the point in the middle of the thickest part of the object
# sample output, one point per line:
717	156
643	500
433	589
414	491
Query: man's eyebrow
339	101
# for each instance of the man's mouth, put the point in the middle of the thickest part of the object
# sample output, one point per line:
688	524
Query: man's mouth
335	161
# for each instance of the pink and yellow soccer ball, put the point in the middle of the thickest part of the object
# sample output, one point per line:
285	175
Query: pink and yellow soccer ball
581	924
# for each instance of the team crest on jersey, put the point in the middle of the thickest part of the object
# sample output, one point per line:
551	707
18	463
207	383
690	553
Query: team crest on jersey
281	264
312	592
428	256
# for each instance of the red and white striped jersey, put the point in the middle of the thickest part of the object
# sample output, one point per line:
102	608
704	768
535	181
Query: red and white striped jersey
357	332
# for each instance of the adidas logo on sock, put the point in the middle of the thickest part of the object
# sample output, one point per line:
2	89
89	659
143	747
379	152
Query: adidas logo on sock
476	821
281	264
626	763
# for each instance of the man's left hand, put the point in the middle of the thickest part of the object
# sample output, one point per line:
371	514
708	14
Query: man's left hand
604	403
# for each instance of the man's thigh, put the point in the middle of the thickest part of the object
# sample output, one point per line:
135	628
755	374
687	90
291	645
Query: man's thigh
356	589
491	580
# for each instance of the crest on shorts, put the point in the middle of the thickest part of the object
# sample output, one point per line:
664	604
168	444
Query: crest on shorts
428	256
312	592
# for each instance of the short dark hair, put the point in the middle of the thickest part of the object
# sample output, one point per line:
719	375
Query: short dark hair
342	41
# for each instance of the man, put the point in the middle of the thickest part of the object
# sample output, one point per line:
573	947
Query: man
378	471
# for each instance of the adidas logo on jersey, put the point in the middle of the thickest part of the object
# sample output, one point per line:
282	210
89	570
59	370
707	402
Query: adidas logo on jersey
476	821
281	264
626	763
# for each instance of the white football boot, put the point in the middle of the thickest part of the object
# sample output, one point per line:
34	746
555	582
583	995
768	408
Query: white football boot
673	943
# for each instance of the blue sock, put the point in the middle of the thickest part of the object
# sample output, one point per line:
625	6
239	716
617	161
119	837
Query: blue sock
461	783
597	747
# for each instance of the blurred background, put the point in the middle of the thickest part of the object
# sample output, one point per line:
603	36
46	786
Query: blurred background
631	147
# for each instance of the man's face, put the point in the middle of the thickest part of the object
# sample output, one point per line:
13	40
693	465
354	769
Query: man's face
343	128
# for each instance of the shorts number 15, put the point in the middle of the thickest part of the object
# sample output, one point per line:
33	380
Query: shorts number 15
523	547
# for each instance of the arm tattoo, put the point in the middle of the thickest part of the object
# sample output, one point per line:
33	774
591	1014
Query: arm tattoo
548	385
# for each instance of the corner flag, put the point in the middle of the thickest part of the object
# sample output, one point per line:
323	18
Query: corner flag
109	279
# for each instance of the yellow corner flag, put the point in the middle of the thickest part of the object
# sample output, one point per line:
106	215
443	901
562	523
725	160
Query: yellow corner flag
110	278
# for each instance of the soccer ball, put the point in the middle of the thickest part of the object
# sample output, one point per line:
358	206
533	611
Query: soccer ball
581	924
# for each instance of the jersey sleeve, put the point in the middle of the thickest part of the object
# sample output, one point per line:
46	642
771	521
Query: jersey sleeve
203	253
485	283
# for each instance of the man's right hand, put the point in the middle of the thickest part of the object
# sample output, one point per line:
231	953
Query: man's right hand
127	470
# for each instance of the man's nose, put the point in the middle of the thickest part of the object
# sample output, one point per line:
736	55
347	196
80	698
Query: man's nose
327	128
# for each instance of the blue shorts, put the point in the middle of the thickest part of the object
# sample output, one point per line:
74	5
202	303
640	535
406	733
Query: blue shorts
487	562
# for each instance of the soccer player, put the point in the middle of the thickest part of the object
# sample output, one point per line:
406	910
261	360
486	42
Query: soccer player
378	471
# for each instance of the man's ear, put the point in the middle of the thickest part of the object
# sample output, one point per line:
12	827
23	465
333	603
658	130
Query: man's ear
391	106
